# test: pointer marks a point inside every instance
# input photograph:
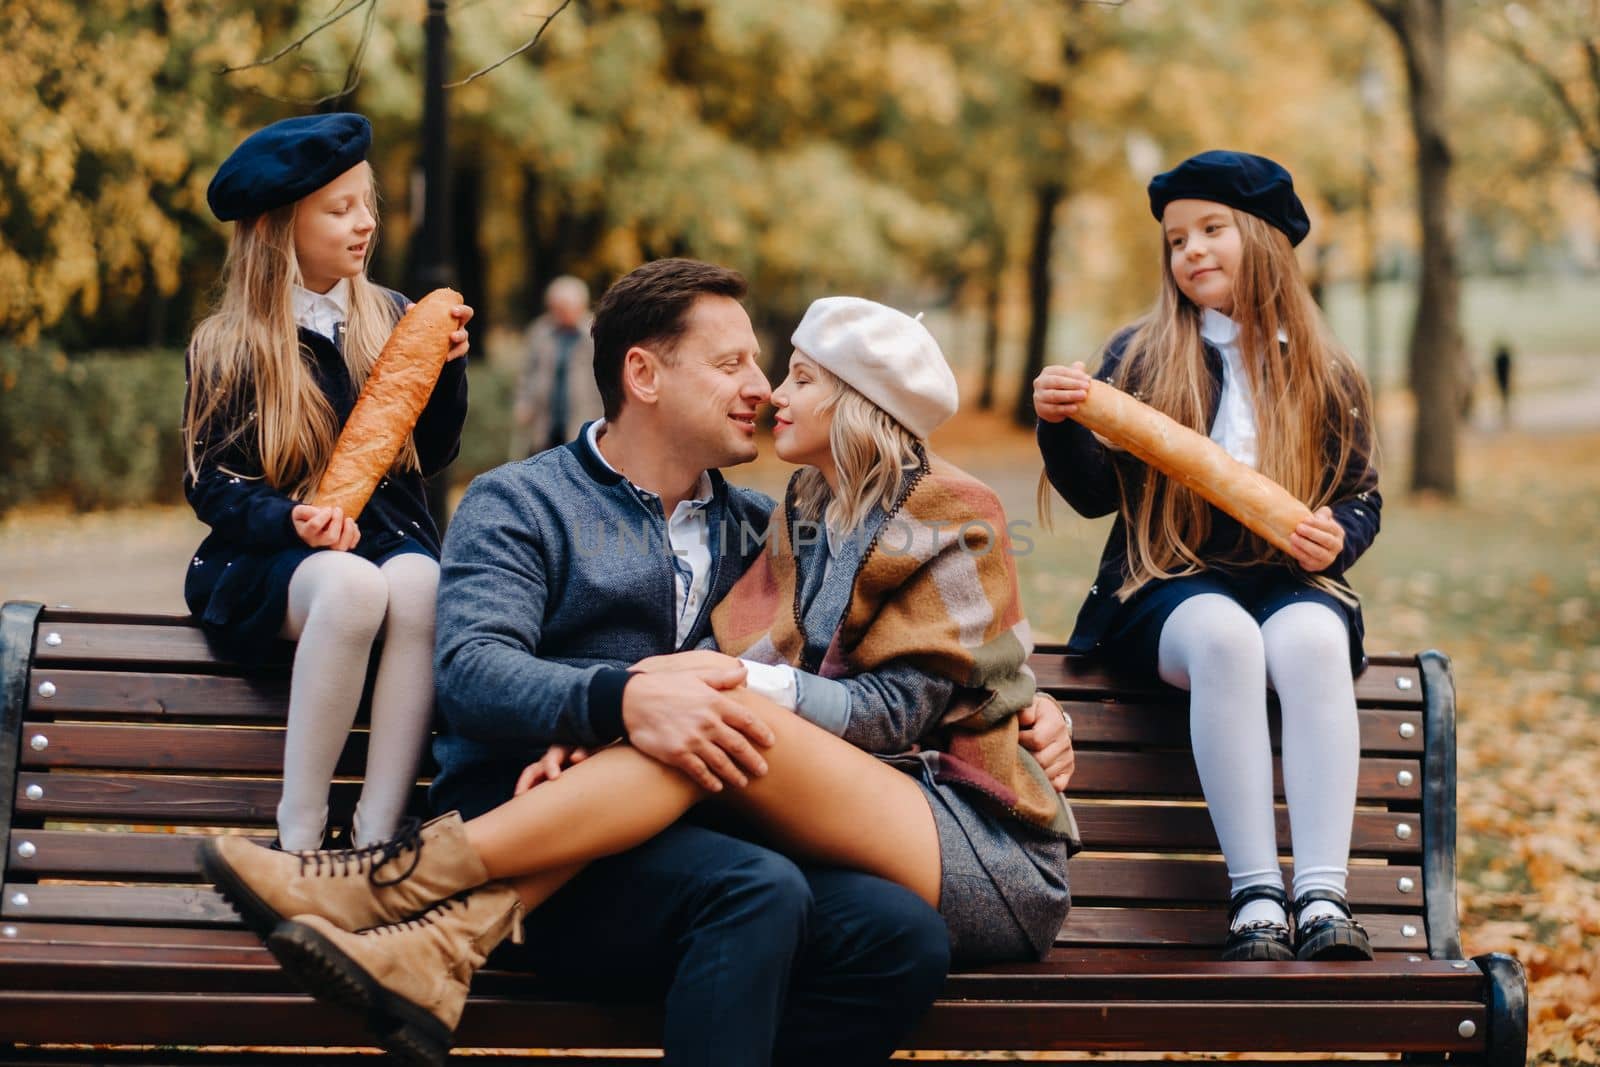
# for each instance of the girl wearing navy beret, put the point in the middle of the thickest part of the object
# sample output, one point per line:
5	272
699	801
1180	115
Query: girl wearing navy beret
273	373
1236	348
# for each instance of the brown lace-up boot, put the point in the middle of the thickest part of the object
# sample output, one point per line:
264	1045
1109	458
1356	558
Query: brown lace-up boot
408	980
351	888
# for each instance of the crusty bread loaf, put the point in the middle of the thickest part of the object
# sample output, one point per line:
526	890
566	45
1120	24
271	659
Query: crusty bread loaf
390	403
1198	462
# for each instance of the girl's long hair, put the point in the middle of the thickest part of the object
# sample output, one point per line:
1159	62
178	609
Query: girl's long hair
251	384
1306	391
871	454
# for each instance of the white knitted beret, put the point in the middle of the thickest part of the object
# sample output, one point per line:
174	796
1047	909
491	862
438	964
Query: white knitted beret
885	355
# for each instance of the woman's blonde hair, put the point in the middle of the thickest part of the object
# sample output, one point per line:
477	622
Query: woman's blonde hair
250	381
871	455
1306	385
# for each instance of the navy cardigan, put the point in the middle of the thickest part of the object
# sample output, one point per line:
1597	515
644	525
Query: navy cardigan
1086	472
237	582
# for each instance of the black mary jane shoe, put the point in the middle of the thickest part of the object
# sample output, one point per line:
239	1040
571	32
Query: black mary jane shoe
1262	940
1329	937
330	840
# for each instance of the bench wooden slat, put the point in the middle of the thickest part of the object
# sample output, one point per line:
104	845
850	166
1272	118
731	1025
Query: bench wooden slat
1189	927
156	856
192	799
1133	828
1187	828
1390	681
1173	774
1102	724
176	643
248	750
242	967
198	905
175	799
167	647
137	694
511	1022
260	751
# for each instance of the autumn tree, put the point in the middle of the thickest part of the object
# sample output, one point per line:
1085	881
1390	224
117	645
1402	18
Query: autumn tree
1557	44
107	141
1422	29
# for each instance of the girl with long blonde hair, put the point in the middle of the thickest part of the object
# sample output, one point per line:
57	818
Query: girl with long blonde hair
273	372
1236	348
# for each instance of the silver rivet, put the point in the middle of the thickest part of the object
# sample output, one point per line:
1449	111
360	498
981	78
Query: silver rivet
47	689
1402	682
35	792
1403	831
1460	965
1406	885
1467	1028
39	742
1408	730
26	850
8	931
52	639
1408	930
1413	959
20	899
1405	777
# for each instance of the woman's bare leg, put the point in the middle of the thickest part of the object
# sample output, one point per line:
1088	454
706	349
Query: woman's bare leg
822	799
535	889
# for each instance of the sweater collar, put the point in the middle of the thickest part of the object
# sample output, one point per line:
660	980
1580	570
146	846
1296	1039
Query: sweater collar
587	450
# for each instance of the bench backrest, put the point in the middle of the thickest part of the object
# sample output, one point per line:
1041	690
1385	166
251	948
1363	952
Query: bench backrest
126	738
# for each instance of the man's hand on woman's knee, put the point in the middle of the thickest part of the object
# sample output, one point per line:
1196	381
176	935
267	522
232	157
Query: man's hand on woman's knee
1047	733
687	719
548	768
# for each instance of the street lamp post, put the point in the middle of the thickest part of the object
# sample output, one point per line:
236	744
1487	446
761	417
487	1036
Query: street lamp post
432	261
432	252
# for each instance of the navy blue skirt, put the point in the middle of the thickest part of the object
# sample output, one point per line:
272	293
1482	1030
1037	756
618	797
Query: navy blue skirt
1133	639
241	597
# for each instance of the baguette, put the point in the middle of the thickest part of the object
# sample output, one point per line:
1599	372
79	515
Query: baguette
1261	504
391	401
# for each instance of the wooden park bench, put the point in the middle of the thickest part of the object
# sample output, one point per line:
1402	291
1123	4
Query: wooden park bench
126	739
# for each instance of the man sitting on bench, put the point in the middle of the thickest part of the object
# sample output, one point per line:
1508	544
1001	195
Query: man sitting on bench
761	959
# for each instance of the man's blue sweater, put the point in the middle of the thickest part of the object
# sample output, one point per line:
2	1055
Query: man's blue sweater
556	576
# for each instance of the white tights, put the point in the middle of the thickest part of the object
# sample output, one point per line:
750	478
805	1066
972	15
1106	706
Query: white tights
1212	647
338	605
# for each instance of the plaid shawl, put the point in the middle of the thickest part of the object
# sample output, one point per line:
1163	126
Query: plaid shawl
937	588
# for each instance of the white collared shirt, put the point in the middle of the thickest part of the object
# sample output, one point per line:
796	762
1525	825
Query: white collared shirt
1235	425
323	312
687	537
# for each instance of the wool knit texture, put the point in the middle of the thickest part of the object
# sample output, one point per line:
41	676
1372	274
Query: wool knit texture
937	588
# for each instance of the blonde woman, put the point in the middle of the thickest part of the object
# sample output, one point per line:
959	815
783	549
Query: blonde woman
273	373
1236	348
884	652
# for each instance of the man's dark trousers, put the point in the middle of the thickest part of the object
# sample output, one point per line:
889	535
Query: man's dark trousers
762	961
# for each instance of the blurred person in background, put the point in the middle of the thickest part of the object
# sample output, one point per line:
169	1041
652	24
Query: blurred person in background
555	390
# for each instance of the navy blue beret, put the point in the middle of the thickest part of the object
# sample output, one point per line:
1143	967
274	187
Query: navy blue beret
279	164
1240	180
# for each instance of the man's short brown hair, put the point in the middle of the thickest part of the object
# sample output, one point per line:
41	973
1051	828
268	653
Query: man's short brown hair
650	306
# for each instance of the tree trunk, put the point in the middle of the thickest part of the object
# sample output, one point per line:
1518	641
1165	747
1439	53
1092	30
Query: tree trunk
535	252
466	192
1422	29
991	337
1047	197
